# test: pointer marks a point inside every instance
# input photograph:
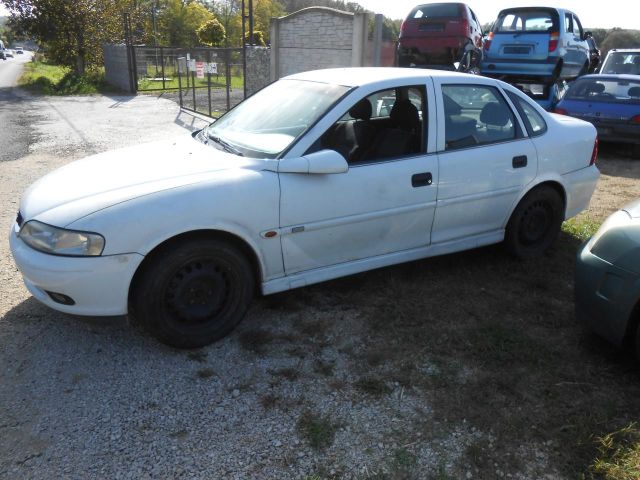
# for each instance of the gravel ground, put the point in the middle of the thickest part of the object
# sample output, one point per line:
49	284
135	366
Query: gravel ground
288	395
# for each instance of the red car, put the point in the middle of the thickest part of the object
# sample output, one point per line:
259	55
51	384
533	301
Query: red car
437	35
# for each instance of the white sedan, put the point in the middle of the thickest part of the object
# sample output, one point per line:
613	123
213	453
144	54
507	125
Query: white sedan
319	175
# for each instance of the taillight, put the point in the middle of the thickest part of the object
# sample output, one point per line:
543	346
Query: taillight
403	25
465	26
635	119
561	111
487	42
553	41
594	154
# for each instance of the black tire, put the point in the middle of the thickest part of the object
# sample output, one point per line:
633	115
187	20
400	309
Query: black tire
193	293
535	223
636	343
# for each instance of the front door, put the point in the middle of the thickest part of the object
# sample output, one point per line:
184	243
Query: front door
385	202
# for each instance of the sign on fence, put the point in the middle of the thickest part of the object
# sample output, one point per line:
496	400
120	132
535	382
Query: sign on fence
200	69
211	68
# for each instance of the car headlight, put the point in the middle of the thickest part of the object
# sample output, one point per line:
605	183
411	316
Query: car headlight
59	241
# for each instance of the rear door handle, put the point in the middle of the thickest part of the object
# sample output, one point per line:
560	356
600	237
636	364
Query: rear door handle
421	179
519	161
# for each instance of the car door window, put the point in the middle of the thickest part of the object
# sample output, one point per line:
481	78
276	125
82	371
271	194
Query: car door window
577	27
476	115
385	125
568	23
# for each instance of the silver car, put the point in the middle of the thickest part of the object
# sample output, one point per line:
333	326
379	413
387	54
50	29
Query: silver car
607	283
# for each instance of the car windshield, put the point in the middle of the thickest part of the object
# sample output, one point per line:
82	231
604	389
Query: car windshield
268	122
622	62
605	90
526	20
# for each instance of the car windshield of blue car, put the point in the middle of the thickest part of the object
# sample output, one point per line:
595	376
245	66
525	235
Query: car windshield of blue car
605	90
266	123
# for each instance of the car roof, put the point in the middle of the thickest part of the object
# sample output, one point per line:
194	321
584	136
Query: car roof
625	50
359	76
610	76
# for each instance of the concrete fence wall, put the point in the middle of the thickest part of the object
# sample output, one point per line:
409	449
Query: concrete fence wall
116	66
258	66
317	37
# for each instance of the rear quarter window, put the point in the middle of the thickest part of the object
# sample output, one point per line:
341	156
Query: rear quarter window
533	121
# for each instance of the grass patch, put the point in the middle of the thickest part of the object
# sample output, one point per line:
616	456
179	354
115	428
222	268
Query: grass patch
255	340
373	386
205	373
318	430
619	454
199	356
48	79
580	228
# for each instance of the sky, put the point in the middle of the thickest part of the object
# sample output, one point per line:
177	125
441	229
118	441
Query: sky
592	14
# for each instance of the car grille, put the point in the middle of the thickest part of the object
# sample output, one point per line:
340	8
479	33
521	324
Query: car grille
19	219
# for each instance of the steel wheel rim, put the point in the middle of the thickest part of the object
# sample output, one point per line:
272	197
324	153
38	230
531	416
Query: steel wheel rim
536	223
197	292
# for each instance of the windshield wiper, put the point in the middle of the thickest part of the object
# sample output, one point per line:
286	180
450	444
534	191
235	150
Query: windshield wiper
227	147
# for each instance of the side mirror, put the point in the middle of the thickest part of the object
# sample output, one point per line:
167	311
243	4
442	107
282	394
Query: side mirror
322	162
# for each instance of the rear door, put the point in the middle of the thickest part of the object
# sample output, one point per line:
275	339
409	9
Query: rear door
484	158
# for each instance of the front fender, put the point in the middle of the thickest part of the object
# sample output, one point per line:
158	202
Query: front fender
242	205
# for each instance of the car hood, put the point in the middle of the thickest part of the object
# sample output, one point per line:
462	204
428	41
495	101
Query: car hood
96	182
633	208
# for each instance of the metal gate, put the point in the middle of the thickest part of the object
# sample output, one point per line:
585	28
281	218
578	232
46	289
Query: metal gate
205	80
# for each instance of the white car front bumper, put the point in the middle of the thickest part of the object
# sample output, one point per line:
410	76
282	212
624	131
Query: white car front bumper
97	285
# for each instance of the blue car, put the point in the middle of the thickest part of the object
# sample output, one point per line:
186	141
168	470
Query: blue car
536	44
610	102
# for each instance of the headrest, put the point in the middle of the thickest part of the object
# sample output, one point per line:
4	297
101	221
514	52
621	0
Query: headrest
634	92
404	115
361	110
495	114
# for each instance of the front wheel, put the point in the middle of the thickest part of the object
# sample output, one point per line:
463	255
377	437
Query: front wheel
193	293
535	223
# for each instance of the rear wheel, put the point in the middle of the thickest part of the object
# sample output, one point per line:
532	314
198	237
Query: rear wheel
535	223
193	293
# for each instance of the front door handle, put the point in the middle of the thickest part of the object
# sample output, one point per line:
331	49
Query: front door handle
421	179
519	161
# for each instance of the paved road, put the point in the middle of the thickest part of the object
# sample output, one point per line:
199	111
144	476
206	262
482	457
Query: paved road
14	127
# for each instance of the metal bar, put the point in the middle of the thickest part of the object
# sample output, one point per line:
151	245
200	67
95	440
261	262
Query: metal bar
193	84
180	83
209	79
228	75
244	56
162	60
250	23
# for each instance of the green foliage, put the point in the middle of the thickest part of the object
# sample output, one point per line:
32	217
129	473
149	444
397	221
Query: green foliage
619	454
178	23
211	33
258	38
617	38
47	79
72	31
318	430
580	228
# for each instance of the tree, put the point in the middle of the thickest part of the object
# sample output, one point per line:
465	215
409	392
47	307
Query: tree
211	33
72	30
258	38
178	22
618	38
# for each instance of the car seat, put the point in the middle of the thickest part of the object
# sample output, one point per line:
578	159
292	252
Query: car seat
354	137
